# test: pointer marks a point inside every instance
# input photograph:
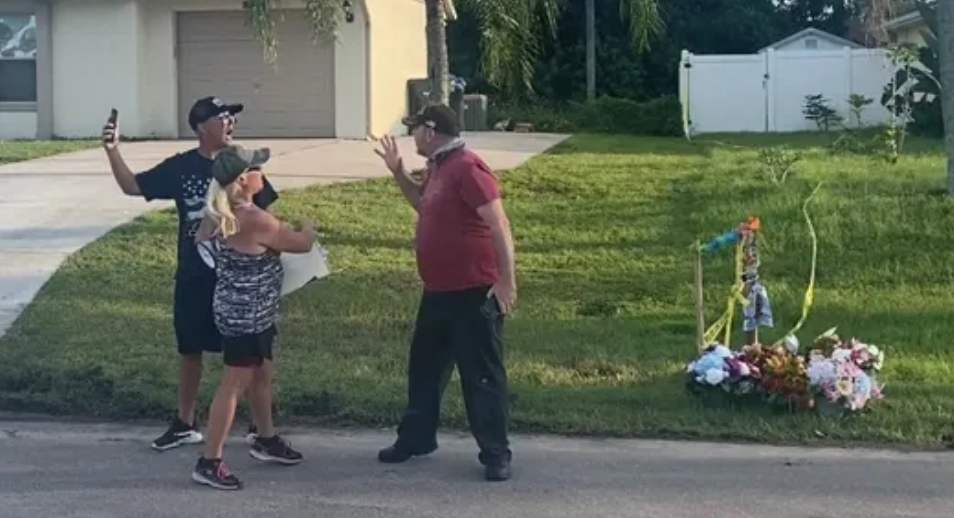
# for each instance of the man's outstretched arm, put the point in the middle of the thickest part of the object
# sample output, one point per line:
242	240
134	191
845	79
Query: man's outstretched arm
125	178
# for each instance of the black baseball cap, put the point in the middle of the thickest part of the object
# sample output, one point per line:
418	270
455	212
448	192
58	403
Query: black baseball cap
234	160
208	107
439	117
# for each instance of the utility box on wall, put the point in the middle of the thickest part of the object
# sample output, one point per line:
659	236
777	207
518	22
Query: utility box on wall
472	109
475	112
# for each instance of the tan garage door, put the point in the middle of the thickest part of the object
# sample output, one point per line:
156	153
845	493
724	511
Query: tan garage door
217	55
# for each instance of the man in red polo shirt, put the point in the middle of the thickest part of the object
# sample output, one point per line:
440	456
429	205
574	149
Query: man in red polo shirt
465	258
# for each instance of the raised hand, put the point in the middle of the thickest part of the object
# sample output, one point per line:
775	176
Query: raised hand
390	154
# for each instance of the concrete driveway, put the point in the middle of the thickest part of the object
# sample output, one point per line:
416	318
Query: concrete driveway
52	207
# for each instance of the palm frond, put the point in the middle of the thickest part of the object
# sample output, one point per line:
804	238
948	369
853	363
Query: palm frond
511	37
324	16
644	20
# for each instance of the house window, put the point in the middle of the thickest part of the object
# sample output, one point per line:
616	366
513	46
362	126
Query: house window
811	43
17	58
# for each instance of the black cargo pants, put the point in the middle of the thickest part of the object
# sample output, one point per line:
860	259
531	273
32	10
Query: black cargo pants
463	328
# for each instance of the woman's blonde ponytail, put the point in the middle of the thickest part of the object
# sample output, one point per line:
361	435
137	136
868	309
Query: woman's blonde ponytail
219	207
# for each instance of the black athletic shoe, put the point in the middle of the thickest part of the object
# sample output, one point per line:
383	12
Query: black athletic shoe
395	454
178	434
274	449
252	434
214	473
497	470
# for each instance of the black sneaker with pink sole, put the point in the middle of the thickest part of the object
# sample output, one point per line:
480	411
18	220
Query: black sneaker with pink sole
214	473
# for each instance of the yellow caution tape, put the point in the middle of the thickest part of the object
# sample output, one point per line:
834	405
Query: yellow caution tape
810	289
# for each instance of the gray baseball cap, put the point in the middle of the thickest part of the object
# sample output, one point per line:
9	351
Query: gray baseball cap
234	160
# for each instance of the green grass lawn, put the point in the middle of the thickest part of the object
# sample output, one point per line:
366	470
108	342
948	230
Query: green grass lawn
605	321
19	150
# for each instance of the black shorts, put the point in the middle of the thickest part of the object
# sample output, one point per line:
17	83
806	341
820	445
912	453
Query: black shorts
249	350
192	316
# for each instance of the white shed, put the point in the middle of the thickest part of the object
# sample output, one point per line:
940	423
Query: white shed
812	39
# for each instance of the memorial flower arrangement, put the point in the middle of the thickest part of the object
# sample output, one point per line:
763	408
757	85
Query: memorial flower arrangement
834	377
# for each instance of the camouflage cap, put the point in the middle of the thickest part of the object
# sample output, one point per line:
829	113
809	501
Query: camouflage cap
234	160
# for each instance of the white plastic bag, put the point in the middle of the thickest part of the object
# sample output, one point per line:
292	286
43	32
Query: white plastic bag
301	269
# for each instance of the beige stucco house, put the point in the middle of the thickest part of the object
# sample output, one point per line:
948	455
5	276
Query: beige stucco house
907	28
65	63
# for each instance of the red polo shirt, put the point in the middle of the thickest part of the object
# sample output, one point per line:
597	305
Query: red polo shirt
453	244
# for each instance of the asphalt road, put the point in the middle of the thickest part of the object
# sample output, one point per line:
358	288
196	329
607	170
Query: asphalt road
104	471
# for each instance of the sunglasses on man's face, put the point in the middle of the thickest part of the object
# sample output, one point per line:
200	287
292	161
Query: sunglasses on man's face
224	118
426	125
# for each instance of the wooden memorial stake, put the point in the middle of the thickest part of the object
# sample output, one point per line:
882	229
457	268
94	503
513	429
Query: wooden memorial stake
700	314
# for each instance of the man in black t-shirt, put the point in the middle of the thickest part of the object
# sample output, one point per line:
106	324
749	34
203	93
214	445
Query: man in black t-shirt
185	178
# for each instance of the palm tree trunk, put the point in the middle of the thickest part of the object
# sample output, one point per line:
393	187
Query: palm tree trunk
437	62
591	49
945	43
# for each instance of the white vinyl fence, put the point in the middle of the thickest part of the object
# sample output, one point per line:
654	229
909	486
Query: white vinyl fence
766	92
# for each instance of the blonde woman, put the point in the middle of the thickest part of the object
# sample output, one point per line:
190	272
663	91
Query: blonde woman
245	243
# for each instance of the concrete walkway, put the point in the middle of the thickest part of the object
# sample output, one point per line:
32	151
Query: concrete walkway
52	207
107	471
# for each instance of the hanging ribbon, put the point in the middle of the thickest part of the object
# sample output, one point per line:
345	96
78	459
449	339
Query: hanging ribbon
810	289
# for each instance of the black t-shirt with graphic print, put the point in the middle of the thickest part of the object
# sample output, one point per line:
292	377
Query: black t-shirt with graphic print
185	178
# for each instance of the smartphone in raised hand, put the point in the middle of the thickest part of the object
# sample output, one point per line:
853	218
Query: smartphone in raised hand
110	137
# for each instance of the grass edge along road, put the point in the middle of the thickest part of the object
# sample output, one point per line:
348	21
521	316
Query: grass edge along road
605	323
12	151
